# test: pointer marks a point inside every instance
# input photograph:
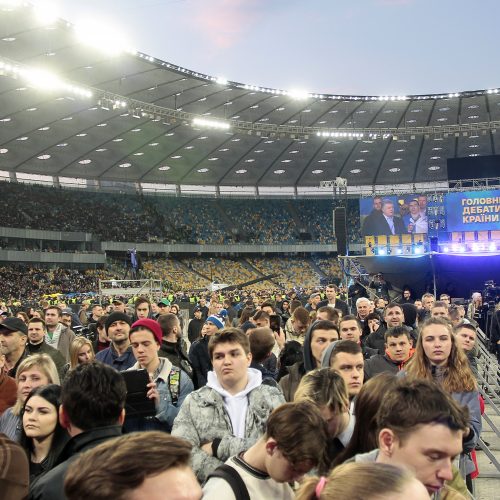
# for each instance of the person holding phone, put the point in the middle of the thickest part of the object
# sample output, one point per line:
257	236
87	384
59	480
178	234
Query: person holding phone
169	384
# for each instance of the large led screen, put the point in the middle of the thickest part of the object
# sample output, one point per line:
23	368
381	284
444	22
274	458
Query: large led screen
403	214
473	211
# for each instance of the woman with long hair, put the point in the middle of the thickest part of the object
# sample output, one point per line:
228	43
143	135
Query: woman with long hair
326	389
81	352
246	315
22	316
364	435
34	371
439	358
42	436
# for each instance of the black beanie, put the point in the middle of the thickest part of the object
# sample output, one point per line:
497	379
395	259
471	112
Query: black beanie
117	316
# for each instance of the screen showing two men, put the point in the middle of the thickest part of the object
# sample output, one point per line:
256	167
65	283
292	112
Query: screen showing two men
407	214
394	215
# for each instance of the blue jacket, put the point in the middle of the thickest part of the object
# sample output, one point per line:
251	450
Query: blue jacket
110	357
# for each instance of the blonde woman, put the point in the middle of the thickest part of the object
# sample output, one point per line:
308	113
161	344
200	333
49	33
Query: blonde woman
81	352
326	389
369	481
34	371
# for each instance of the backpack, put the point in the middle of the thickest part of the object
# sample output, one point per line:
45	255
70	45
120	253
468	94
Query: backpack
174	383
232	477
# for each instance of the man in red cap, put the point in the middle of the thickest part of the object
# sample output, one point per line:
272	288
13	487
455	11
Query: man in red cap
169	384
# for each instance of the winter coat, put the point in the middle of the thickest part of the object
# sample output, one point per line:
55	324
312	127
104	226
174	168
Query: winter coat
203	418
200	361
290	382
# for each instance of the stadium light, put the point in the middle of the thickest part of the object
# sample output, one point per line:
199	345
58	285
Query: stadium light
46	13
299	95
102	36
218	124
11	4
42	79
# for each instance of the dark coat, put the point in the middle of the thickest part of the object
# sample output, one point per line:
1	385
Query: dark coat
56	356
380	225
376	339
200	361
194	329
339	304
380	363
50	486
110	357
177	355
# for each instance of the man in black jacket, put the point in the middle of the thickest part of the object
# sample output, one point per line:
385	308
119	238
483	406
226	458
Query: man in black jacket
198	353
332	301
37	345
393	317
173	346
92	411
195	325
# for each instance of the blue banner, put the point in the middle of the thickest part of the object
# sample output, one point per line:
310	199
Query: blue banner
473	211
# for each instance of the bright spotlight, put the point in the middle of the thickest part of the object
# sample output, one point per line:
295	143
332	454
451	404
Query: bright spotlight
102	36
492	247
446	249
298	94
46	13
475	247
382	251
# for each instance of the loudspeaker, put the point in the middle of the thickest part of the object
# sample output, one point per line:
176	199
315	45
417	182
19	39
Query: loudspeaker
340	230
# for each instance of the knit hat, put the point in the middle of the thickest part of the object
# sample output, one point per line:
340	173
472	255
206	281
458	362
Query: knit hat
216	320
14	325
149	324
116	316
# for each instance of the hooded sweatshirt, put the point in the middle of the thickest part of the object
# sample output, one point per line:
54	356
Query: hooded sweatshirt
290	382
236	405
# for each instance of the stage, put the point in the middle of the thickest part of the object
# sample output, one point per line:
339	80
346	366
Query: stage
456	274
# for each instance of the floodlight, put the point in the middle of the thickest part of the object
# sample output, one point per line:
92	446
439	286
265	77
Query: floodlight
298	94
102	36
46	13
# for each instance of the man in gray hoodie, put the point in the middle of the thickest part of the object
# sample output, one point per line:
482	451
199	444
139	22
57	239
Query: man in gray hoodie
229	414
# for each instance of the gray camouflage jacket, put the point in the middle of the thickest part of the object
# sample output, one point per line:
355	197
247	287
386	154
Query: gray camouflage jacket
203	418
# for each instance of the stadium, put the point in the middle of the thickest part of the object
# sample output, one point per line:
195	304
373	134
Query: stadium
123	175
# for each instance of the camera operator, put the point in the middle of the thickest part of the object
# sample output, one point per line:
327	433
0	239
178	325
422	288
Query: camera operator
381	286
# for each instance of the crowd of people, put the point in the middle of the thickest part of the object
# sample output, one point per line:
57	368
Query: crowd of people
25	283
134	217
308	395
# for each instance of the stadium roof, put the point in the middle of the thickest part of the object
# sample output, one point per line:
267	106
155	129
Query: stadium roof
73	110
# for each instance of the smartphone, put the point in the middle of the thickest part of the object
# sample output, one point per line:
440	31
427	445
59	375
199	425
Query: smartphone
275	323
137	403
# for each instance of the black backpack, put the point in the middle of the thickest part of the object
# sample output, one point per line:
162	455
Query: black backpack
231	476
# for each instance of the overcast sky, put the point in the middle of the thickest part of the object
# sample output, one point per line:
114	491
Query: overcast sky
381	47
